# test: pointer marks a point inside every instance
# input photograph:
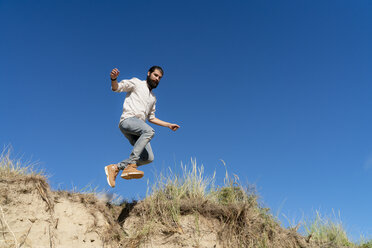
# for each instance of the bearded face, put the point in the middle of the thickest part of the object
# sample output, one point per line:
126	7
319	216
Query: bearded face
153	78
152	83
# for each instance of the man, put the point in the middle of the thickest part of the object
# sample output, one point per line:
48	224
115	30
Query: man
139	106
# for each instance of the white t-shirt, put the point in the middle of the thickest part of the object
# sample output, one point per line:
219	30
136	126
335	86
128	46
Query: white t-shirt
139	101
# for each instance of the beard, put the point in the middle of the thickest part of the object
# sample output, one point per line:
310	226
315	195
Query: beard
151	83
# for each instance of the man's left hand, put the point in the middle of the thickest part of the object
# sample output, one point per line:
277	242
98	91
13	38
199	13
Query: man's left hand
174	127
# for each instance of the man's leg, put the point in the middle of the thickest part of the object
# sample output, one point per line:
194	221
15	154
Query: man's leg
133	128
147	156
139	135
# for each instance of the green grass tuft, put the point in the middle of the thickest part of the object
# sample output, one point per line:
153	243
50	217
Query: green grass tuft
327	230
367	244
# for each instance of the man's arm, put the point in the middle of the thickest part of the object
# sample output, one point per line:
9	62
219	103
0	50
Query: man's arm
114	82
159	122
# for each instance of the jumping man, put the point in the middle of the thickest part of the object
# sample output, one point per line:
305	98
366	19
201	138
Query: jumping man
139	106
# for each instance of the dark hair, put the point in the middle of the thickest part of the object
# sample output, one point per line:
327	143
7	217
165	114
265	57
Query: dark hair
156	67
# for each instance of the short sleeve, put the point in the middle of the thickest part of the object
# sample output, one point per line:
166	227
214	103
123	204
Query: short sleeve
126	85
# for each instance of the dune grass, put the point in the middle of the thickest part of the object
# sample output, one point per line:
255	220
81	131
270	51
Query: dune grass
193	183
244	222
365	244
329	231
11	168
192	192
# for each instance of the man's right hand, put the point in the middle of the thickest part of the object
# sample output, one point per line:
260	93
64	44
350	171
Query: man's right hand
114	73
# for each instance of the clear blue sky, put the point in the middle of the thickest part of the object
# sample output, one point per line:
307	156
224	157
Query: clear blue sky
280	90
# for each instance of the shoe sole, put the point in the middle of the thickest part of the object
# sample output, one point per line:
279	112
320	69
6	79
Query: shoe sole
131	175
107	177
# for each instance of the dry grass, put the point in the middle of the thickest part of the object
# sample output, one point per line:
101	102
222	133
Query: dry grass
243	222
15	169
328	231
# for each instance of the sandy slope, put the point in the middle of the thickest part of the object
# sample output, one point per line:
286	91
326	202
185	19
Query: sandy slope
34	216
31	215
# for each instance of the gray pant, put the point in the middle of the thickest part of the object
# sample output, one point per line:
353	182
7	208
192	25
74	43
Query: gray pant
139	135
